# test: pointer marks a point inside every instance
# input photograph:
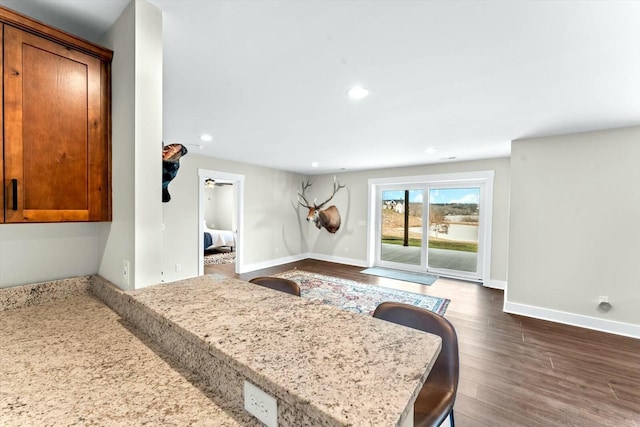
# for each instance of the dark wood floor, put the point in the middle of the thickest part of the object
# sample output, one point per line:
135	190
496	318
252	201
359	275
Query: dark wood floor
517	371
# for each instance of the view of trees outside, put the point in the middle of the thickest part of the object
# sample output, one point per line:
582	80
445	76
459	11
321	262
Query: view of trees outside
393	217
453	218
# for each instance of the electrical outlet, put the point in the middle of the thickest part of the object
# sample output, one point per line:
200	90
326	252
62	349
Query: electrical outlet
178	268
261	405
603	299
125	272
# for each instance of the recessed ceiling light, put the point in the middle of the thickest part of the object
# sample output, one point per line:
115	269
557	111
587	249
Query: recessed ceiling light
431	150
206	137
357	92
314	164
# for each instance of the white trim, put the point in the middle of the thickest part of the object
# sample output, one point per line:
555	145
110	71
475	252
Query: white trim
338	260
487	228
238	180
495	284
437	179
372	216
272	263
603	325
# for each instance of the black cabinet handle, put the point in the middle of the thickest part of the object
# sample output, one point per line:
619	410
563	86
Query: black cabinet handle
14	184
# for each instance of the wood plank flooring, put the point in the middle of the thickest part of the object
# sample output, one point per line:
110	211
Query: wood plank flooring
517	371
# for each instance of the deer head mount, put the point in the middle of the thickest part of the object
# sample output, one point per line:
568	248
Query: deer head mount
328	218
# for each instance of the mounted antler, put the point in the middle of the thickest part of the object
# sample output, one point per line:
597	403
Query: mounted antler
336	187
304	187
328	218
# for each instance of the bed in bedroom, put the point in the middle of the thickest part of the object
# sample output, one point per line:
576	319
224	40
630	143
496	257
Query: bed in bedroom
214	239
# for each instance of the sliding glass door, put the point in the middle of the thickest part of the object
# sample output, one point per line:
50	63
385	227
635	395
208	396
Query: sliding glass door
434	226
454	218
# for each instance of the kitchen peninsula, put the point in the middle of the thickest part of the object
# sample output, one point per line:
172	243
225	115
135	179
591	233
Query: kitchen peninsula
324	366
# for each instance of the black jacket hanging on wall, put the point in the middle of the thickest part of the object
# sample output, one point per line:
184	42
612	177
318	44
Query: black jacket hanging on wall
171	155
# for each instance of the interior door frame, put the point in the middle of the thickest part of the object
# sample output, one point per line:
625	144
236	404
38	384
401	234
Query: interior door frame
238	181
428	181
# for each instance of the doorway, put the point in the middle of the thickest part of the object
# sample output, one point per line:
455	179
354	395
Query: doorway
438	224
230	213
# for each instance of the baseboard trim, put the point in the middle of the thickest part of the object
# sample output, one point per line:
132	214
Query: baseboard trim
609	326
247	268
338	260
495	284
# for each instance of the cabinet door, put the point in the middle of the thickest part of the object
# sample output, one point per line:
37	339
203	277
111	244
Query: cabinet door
55	139
2	199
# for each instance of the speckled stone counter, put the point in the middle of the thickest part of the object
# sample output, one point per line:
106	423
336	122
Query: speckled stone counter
73	361
39	293
325	366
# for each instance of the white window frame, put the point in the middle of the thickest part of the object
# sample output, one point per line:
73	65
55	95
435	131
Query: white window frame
483	179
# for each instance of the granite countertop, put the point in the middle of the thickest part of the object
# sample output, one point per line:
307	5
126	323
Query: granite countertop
74	362
355	369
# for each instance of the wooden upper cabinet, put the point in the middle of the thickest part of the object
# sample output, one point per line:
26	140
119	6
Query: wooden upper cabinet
57	155
2	185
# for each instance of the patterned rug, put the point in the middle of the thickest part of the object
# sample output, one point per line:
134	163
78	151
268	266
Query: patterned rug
222	258
357	297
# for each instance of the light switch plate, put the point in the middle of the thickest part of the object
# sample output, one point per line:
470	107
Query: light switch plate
125	272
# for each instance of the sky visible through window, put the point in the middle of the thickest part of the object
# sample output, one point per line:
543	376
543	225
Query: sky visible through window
439	195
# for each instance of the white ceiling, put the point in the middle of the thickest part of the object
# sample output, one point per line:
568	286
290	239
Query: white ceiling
268	78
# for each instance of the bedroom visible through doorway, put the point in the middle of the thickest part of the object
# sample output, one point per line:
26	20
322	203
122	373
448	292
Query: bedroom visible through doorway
219	222
219	218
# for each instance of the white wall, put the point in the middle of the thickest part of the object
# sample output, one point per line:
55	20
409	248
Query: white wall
148	147
31	253
575	228
209	195
272	229
219	209
349	244
118	237
135	232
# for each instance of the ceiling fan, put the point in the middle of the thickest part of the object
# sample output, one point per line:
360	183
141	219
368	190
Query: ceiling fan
211	183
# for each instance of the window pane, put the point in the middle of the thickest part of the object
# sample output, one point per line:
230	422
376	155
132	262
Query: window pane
401	234
454	215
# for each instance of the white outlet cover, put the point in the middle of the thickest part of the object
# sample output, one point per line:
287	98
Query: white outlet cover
261	405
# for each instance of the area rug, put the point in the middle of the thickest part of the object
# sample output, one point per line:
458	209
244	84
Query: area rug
357	297
222	258
407	276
